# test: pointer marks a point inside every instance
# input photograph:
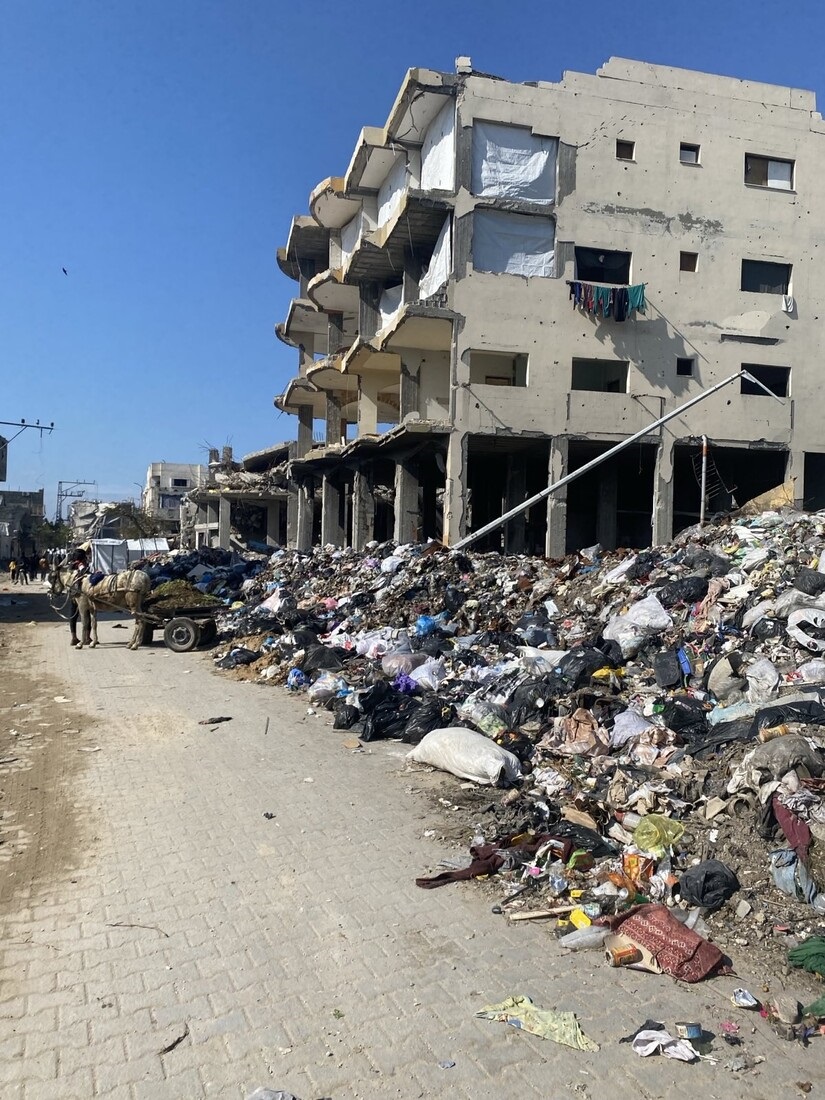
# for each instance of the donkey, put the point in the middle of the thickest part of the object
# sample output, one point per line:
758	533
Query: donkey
125	591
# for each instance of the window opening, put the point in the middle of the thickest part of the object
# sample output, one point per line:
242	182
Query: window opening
625	150
761	277
764	172
498	368
777	379
601	375
684	367
688	261
688	154
600	265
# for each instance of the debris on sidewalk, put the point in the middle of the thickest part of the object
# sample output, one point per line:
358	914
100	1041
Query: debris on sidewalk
660	712
520	1012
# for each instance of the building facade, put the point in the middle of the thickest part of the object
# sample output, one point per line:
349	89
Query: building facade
166	485
21	512
511	278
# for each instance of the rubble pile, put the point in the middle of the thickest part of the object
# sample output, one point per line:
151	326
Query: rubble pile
653	721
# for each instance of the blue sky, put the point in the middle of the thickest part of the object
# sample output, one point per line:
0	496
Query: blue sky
158	150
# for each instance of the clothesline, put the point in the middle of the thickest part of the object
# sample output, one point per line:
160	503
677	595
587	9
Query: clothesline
617	302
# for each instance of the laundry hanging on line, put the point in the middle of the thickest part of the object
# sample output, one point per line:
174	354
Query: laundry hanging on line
617	302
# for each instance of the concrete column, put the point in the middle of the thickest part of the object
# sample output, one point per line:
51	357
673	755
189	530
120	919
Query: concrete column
303	534
556	539
663	491
336	332
515	530
292	516
363	509
304	431
224	510
273	523
607	520
455	489
795	471
409	396
335	423
332	531
367	406
407	527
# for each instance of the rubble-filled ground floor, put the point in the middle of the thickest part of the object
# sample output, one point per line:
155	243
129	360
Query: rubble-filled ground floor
196	908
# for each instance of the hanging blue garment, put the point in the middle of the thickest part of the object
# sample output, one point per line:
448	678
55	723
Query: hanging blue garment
601	300
636	297
621	304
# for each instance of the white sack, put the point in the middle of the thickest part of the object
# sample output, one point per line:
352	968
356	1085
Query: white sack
467	754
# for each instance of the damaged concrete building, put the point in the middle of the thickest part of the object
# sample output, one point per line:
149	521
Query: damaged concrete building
511	278
241	505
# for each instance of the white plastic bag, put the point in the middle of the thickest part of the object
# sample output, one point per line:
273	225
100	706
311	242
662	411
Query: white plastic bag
763	680
813	671
538	662
807	617
431	675
467	754
395	662
642	620
325	687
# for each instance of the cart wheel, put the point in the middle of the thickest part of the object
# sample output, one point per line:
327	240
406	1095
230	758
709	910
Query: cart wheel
181	634
208	632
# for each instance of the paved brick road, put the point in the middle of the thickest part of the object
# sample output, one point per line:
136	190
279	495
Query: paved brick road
296	951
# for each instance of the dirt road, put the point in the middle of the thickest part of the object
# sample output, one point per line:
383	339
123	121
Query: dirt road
195	910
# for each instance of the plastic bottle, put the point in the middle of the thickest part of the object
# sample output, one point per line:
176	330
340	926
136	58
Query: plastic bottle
584	939
629	820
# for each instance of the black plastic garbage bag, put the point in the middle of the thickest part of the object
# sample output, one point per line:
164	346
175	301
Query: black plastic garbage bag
666	668
344	715
810	581
578	665
432	714
237	657
709	884
320	658
685	715
685	590
531	700
389	717
643	565
703	561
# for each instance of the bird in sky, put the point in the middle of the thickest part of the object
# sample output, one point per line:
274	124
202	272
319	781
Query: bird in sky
65	272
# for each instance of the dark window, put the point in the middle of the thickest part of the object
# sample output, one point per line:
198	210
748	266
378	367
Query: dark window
602	375
599	265
684	367
497	368
777	379
762	277
764	172
688	154
625	150
688	261
180	482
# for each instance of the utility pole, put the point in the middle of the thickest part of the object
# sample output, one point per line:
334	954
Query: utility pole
21	426
66	490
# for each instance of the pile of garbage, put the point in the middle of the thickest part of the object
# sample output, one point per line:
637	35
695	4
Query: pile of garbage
187	576
657	716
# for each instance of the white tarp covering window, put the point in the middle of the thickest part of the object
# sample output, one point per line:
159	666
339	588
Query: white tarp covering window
389	303
779	174
392	191
438	152
441	263
510	162
513	244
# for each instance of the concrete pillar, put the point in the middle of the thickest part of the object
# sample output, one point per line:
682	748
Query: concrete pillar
367	406
292	516
224	510
407	526
795	471
607	519
336	333
556	539
273	523
332	531
335	423
409	396
663	491
515	530
455	489
363	509
304	431
303	533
